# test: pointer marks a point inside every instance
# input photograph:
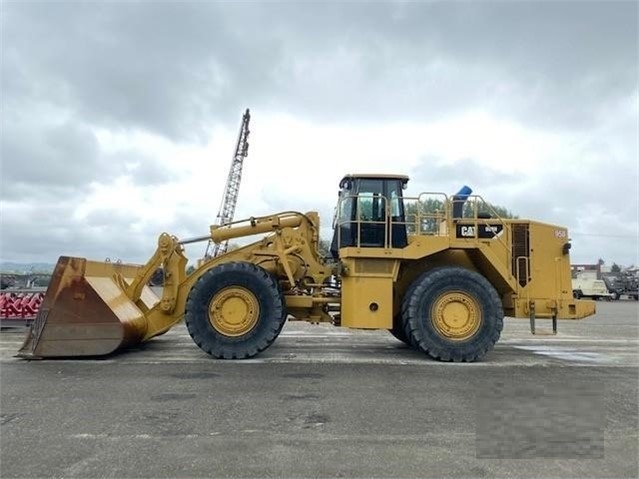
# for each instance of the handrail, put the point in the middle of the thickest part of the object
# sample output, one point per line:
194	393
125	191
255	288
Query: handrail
420	222
358	221
475	200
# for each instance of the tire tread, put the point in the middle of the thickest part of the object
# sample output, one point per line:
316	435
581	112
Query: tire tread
476	347
255	341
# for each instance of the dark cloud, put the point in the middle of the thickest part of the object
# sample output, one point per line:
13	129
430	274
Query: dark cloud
177	69
172	67
61	160
141	169
434	174
582	199
36	155
32	232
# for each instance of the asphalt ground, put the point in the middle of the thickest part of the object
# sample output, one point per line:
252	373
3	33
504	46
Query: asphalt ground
330	402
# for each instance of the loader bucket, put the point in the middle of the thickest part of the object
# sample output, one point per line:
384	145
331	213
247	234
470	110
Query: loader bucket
85	312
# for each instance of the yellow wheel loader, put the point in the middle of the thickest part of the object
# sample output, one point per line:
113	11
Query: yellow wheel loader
439	279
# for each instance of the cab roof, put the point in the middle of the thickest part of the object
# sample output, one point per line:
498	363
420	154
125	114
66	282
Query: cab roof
375	176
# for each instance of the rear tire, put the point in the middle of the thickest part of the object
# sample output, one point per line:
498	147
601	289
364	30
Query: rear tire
452	314
399	331
235	311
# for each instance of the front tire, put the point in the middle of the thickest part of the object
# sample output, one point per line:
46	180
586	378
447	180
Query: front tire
452	314
235	311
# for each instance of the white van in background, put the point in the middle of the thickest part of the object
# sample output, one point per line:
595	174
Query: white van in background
590	288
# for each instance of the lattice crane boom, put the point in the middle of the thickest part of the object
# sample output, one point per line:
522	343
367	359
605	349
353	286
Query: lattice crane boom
232	188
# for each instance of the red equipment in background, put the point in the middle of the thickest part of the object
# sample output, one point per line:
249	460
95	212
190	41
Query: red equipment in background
20	306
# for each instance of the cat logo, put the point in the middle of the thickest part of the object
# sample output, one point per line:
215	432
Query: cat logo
479	231
467	231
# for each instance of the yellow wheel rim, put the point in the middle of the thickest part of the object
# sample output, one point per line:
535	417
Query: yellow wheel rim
456	315
234	311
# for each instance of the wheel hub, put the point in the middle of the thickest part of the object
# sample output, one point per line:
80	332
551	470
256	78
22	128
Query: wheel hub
234	311
456	316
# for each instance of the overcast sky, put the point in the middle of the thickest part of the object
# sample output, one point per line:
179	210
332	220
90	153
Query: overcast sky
119	119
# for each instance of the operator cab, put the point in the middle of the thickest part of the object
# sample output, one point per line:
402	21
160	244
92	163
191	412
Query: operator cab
370	213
